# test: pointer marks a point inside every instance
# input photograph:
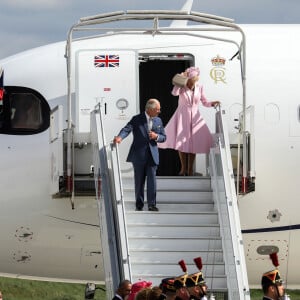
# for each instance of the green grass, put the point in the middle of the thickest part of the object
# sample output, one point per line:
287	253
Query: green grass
257	294
18	289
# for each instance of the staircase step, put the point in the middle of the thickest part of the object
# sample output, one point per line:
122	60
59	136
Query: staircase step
173	231
181	183
176	219
173	257
166	269
179	196
174	183
176	207
165	244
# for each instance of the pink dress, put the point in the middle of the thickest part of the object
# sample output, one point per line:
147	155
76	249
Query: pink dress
187	131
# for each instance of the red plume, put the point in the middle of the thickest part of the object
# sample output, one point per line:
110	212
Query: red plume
182	265
198	262
274	258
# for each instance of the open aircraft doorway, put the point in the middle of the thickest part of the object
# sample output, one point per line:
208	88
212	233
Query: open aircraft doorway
155	81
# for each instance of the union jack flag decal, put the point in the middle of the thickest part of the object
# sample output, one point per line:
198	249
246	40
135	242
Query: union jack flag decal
106	61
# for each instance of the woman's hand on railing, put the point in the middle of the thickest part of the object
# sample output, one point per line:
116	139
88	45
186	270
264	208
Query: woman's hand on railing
215	104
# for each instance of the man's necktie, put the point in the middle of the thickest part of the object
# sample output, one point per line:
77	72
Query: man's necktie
150	123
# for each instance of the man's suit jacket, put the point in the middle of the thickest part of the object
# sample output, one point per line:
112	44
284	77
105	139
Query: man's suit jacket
141	142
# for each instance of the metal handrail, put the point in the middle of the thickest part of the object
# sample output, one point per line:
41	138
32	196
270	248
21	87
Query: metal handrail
116	174
109	163
226	200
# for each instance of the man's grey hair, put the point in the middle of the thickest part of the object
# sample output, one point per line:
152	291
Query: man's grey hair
151	104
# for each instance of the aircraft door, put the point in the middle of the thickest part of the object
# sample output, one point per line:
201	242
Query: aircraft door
108	77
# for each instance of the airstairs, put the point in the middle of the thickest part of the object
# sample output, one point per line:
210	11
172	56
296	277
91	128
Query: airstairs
186	227
198	216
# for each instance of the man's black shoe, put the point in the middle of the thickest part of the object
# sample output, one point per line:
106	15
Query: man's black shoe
138	208
153	208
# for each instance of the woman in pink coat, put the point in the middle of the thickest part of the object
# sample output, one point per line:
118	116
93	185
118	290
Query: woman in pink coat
187	131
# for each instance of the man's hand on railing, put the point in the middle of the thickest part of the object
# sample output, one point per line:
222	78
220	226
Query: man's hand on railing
117	140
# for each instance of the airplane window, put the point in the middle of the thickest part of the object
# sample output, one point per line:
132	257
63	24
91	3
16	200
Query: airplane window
25	111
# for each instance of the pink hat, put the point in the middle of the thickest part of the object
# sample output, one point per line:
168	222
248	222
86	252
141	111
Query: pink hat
192	72
137	286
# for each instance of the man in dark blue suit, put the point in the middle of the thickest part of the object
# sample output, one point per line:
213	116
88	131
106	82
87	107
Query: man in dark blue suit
147	130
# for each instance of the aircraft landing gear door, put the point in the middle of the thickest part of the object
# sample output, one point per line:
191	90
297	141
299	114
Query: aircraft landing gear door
108	77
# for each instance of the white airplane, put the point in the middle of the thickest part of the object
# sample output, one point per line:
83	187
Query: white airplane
48	232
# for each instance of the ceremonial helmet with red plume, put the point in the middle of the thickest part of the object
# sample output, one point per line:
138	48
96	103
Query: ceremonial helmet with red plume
272	277
196	278
179	281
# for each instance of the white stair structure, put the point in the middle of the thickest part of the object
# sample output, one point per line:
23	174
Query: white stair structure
198	216
186	227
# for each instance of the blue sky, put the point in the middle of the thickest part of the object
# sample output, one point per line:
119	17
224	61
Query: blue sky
26	24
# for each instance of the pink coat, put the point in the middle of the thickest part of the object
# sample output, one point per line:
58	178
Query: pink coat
187	131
